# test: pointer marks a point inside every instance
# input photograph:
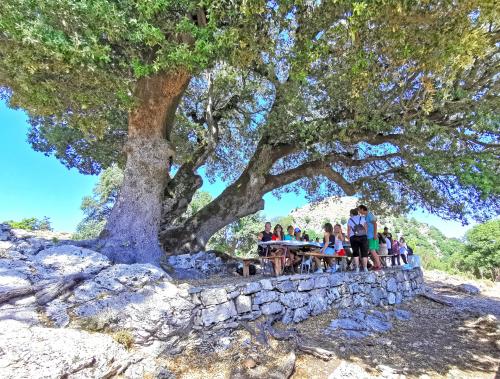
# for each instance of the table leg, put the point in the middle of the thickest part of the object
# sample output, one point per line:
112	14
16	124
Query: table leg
277	266
246	269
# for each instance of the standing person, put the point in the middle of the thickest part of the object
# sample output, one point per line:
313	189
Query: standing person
395	252
388	240
356	230
277	233
403	249
371	222
265	236
383	249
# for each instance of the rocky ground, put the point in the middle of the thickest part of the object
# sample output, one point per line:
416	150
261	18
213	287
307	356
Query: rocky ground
438	341
80	316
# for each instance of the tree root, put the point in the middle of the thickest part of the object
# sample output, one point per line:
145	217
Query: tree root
291	335
47	290
436	299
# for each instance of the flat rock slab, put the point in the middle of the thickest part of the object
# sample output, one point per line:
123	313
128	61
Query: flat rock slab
359	323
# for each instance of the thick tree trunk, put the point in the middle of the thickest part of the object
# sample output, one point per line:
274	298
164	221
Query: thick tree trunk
131	234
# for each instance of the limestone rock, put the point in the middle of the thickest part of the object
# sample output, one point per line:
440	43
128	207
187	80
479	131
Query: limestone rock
63	260
286	286
213	296
37	352
306	285
301	314
251	288
218	313
243	304
271	308
294	300
265	297
392	285
391	298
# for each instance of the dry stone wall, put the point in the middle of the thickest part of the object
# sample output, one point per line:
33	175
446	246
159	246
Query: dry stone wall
298	297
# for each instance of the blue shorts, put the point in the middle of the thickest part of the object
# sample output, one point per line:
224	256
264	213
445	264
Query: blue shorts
330	251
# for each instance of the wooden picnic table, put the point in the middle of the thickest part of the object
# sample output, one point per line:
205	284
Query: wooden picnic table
317	254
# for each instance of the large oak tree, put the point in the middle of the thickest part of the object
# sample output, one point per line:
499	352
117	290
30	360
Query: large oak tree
393	101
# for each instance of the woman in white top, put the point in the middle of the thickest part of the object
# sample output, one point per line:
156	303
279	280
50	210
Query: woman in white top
403	249
383	250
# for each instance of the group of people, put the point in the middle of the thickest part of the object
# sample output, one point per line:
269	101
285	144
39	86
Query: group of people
361	241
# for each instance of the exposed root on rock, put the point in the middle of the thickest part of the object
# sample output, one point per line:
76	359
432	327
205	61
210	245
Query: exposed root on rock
47	290
292	335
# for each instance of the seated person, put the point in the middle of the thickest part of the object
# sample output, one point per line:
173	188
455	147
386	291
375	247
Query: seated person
328	246
298	234
277	233
290	236
264	236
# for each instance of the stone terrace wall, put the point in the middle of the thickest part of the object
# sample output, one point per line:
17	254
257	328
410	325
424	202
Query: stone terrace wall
295	298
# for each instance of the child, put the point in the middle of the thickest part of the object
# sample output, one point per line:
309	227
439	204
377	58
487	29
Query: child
328	246
340	238
290	236
395	253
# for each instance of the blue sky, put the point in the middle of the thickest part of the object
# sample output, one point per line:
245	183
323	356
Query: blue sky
33	185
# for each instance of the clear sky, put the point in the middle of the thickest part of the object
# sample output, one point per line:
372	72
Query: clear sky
34	185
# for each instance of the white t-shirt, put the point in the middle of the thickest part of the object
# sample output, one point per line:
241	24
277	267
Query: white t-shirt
353	221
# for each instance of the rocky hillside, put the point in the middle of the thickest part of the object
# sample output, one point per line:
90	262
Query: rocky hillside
313	215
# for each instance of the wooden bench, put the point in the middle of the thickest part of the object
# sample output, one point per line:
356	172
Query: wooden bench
246	265
317	254
276	259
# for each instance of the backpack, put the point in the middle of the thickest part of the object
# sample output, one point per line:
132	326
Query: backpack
358	230
410	250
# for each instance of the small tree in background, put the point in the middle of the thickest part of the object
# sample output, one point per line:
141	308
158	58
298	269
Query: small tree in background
482	251
31	223
238	238
97	207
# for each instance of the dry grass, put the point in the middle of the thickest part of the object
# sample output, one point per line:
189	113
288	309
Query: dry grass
124	338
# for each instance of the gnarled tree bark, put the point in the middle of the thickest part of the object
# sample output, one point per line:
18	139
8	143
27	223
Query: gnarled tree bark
131	234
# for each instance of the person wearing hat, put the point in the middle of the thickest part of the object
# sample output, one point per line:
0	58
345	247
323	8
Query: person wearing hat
298	234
